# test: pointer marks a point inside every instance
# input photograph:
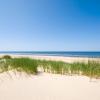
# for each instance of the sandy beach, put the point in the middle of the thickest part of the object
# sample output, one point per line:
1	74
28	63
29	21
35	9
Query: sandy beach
49	50
48	87
45	86
55	58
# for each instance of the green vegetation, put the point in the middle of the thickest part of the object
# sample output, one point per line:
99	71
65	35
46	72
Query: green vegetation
30	66
6	57
23	65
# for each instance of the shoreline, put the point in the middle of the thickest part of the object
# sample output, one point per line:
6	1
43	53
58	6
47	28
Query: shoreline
55	58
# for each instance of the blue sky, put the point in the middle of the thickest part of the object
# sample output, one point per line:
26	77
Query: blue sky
66	25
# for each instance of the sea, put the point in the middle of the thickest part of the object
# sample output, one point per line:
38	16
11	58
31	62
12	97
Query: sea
95	54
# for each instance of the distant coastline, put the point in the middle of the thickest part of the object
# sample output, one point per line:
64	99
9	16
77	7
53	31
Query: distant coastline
89	54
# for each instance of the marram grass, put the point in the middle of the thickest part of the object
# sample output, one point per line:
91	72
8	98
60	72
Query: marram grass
30	66
23	65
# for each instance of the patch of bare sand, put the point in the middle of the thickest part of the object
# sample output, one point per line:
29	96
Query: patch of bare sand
45	86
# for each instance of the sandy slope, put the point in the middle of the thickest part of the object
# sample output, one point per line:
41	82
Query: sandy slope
48	87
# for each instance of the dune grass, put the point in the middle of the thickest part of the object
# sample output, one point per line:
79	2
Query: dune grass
6	57
30	66
23	65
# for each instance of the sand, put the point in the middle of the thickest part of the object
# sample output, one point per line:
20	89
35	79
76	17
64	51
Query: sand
56	58
45	86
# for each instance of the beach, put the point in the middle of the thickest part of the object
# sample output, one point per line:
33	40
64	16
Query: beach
49	50
47	86
55	58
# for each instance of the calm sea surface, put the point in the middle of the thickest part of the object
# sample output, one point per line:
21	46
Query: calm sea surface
54	53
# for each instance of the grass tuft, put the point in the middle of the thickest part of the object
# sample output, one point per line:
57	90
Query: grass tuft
6	57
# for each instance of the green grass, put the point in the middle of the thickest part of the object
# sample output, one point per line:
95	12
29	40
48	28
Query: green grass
6	57
23	65
30	66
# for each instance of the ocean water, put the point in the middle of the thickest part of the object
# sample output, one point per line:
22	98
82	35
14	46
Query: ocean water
55	53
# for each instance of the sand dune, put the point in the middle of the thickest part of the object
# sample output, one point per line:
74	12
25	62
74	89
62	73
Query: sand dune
48	87
45	86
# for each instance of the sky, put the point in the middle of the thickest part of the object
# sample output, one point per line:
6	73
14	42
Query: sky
50	25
